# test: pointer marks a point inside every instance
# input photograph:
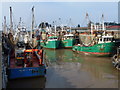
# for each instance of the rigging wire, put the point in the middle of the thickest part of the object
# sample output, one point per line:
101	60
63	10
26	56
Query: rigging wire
86	20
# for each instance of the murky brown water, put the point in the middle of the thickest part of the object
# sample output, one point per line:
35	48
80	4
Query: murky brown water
67	69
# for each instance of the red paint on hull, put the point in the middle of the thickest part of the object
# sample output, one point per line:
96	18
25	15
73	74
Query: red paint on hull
68	47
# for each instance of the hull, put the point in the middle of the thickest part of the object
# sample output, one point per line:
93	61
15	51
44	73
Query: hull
68	43
26	72
104	49
51	44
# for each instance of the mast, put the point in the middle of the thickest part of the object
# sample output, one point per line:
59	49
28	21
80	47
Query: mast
69	24
33	18
11	23
5	25
61	24
32	31
19	25
97	27
20	21
87	18
103	26
55	30
91	28
54	24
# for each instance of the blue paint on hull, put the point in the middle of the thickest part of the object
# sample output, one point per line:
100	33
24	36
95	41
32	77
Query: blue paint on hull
26	72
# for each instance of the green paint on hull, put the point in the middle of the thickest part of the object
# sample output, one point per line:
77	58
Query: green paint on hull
103	49
68	43
51	44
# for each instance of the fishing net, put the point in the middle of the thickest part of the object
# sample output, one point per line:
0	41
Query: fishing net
86	39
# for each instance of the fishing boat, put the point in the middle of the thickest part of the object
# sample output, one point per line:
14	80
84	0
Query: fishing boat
26	63
52	42
68	38
97	42
103	46
48	38
68	41
23	59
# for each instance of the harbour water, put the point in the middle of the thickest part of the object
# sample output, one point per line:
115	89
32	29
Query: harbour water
67	69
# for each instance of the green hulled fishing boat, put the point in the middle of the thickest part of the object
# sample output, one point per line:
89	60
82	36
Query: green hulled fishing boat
52	42
103	46
68	41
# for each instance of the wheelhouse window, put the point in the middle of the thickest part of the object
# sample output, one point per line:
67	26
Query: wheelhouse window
53	38
20	45
69	37
108	39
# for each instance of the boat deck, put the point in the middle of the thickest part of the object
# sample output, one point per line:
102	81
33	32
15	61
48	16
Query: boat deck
13	64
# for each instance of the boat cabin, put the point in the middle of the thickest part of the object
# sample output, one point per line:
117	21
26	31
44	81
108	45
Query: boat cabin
19	53
68	36
105	39
52	38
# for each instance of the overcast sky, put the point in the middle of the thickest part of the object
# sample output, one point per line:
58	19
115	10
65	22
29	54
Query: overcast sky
52	11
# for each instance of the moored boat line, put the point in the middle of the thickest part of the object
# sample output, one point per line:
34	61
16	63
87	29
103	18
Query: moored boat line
35	41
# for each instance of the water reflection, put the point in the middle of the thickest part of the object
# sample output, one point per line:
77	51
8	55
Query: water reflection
34	82
62	55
